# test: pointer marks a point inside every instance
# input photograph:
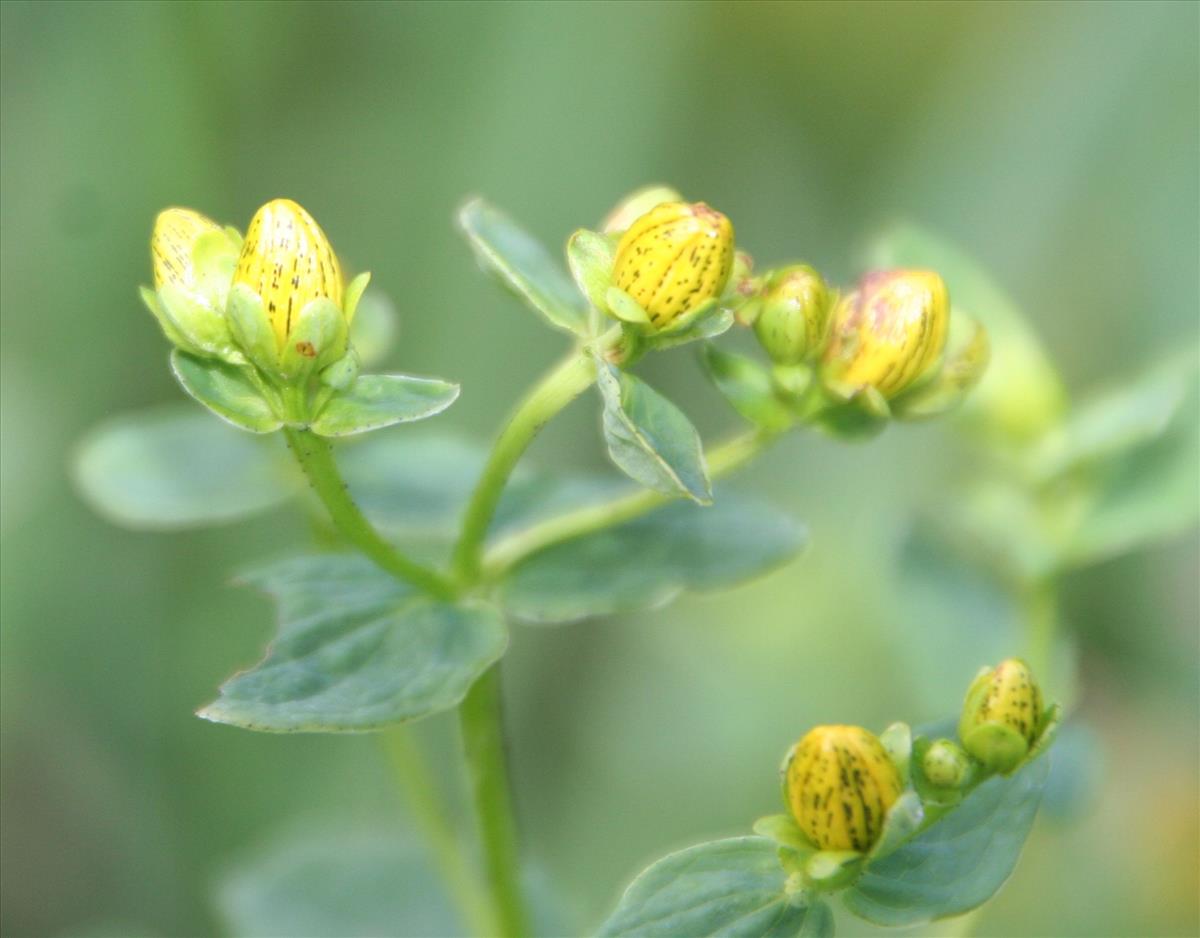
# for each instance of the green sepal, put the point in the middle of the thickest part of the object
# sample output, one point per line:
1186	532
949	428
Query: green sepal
997	745
747	386
343	372
897	741
214	257
624	307
169	329
377	401
251	328
904	819
711	322
204	329
590	257
782	829
1048	727
354	292
225	390
317	338
863	413
827	870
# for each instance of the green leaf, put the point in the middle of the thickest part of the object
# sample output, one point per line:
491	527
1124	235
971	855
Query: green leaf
647	562
373	329
354	885
376	401
226	391
174	467
650	438
747	386
356	650
1021	393
733	887
957	863
522	264
1117	422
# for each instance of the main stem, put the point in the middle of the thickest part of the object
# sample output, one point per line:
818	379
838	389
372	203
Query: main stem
481	721
1040	608
411	771
315	456
554	392
722	460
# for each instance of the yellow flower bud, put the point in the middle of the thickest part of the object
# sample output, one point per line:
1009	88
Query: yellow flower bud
674	258
840	783
1001	715
791	323
288	262
176	231
888	331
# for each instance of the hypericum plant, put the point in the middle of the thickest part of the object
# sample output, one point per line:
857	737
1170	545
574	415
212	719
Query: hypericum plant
438	549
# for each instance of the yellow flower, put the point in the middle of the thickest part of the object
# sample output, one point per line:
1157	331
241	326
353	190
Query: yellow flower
288	262
1001	715
674	258
840	783
888	332
172	246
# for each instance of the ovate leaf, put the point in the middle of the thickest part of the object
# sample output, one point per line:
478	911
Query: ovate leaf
957	863
748	387
175	467
226	391
356	650
376	401
522	263
733	887
647	562
650	438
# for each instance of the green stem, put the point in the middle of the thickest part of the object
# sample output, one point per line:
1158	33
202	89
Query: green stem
550	395
487	767
722	460
413	775
1040	609
315	456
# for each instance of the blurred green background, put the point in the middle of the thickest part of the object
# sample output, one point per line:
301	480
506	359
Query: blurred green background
1058	143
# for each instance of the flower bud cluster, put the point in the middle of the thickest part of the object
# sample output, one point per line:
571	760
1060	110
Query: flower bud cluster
273	303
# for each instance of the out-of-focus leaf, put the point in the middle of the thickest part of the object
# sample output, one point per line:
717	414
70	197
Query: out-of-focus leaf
647	562
732	887
1076	773
176	467
523	264
356	885
958	862
748	387
651	439
374	328
226	391
355	651
376	401
1021	394
590	257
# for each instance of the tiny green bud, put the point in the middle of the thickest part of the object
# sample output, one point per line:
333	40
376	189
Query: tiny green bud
839	783
887	332
1001	715
635	205
945	764
675	258
790	324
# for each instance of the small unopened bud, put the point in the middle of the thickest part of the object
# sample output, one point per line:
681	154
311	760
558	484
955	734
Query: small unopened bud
791	321
945	764
887	332
637	204
287	262
840	782
1001	715
673	259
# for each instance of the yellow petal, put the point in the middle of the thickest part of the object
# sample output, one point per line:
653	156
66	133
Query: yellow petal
176	231
287	260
